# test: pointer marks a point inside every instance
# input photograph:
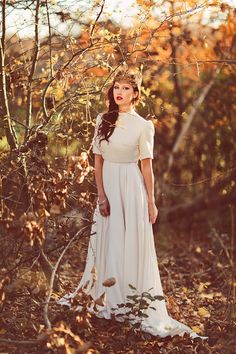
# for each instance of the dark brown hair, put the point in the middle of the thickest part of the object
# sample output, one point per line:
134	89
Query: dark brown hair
108	122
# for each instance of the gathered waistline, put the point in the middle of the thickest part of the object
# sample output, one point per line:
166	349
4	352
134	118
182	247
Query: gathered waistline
121	162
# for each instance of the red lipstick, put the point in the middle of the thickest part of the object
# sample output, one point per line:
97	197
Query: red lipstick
119	98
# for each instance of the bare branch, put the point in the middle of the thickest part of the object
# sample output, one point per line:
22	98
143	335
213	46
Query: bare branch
50	40
32	71
190	119
45	310
97	18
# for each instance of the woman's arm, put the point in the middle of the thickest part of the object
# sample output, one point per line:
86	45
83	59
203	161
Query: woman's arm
148	176
103	202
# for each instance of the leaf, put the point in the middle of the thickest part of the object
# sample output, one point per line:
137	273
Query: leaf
121	305
132	297
144	315
153	308
136	325
55	209
109	282
196	329
129	305
159	297
203	312
132	287
101	300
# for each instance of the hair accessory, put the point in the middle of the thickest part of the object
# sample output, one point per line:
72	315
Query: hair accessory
133	76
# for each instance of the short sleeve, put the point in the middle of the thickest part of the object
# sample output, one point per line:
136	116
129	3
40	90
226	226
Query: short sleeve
146	141
96	145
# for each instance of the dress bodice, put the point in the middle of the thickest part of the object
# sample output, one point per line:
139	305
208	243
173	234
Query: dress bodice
131	140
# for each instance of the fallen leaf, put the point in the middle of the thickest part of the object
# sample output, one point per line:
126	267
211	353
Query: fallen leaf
203	312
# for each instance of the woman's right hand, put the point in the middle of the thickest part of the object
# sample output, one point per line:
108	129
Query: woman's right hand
104	206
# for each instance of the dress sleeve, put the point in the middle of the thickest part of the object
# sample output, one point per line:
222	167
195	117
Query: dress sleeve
96	145
146	141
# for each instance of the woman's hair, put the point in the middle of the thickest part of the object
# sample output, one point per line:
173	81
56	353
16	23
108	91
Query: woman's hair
108	122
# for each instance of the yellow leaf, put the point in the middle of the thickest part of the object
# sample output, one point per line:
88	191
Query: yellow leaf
206	296
196	329
203	312
203	286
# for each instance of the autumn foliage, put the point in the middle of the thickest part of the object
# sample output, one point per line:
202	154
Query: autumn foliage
52	86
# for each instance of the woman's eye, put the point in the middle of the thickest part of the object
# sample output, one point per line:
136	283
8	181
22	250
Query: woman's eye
124	88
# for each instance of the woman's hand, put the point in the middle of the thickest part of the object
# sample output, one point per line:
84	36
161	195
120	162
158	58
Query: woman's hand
153	212
104	206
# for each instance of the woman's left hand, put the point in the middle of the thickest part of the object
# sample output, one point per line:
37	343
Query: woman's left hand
152	211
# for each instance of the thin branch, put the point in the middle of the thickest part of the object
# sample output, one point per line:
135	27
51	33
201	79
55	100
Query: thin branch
32	71
45	310
41	340
189	121
46	115
97	18
50	39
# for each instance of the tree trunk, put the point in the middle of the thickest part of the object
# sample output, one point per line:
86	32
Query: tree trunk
4	108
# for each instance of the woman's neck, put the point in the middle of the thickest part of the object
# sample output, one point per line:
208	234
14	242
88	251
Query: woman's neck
126	109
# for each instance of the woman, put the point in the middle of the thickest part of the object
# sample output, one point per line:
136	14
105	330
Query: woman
121	245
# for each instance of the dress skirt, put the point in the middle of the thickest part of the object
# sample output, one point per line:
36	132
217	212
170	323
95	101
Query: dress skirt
122	246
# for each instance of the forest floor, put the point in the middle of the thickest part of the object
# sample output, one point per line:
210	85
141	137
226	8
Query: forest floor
197	283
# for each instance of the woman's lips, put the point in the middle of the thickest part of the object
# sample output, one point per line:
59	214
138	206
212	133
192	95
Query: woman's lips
119	98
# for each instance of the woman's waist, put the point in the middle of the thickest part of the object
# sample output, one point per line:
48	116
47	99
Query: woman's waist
114	161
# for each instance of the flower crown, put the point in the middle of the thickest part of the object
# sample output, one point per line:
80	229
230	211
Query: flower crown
133	77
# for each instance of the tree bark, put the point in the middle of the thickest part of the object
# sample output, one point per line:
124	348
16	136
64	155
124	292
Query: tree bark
4	107
32	71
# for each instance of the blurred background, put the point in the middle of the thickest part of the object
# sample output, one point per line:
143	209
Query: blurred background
58	59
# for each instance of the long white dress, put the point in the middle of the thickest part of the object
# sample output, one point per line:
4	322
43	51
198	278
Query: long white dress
122	245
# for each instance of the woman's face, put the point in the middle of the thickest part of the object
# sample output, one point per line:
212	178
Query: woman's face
123	93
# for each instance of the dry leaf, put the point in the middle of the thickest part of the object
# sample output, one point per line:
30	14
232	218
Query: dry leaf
109	282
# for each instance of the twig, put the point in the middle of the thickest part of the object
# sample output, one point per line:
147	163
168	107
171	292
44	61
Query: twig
97	18
32	71
50	39
215	233
191	116
24	342
45	310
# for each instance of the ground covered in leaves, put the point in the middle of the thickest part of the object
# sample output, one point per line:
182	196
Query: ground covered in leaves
197	281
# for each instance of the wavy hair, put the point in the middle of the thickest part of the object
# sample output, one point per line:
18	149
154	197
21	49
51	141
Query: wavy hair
109	118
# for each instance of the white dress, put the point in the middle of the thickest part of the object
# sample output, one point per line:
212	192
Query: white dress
122	245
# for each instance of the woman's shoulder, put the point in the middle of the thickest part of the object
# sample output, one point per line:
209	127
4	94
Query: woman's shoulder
99	117
143	121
